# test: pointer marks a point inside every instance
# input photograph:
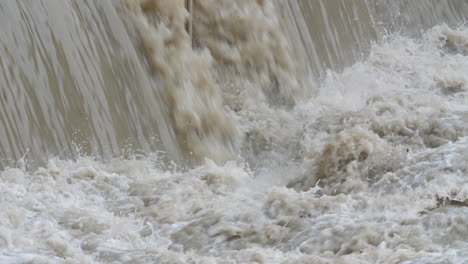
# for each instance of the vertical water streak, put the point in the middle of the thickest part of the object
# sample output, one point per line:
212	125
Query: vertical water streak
70	76
337	33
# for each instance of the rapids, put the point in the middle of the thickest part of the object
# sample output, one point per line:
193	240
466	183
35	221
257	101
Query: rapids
312	131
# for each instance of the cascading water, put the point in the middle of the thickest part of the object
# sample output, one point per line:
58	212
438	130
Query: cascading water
311	131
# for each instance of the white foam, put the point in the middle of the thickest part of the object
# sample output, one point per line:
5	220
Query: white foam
372	170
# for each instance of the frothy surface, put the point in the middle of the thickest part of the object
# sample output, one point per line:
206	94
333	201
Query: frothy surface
370	170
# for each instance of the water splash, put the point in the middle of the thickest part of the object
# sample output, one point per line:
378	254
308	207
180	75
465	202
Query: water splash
370	167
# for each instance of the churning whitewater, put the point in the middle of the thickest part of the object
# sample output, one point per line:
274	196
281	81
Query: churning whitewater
364	165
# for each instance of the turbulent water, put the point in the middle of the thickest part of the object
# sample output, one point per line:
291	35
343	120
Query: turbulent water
320	131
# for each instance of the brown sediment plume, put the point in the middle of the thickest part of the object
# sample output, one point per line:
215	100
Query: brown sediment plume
201	125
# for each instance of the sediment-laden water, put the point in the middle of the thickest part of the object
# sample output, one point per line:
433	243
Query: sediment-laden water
279	132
